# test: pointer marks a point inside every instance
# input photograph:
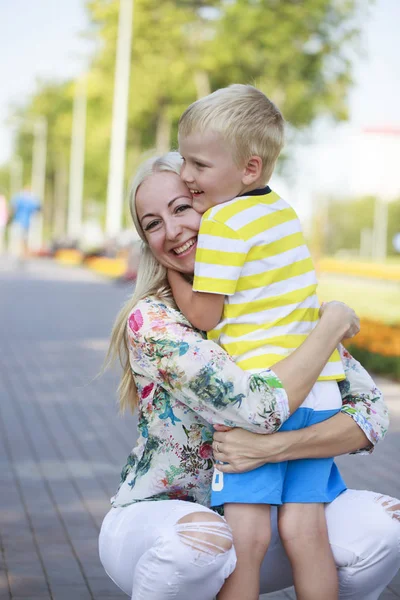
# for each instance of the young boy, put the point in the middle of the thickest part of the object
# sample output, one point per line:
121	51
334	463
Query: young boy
254	292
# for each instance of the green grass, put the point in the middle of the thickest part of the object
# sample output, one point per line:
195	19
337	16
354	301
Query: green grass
373	299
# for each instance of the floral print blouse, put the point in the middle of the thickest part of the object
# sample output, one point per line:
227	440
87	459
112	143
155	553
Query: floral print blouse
186	384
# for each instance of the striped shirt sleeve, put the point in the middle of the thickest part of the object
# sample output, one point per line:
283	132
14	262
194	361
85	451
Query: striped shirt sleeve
220	256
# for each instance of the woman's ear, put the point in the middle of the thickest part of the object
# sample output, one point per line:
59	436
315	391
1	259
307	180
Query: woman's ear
253	170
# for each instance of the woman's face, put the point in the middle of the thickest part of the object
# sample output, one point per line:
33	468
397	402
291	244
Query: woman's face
170	224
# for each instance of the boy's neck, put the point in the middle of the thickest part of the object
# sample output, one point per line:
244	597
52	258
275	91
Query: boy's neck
258	185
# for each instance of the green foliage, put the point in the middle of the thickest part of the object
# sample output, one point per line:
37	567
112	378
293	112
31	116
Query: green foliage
377	363
345	219
297	52
54	101
5	181
393	226
294	51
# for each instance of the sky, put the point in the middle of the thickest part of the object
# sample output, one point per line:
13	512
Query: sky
344	160
41	39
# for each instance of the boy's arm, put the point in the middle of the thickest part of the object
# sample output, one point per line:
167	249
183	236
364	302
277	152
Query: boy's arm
202	309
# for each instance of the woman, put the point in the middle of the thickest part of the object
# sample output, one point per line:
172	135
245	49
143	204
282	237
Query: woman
181	383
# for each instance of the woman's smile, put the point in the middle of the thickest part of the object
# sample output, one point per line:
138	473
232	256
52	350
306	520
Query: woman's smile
186	248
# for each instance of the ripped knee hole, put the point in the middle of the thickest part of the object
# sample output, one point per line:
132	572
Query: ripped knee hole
391	506
210	537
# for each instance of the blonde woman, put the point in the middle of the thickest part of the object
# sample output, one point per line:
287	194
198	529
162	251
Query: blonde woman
160	540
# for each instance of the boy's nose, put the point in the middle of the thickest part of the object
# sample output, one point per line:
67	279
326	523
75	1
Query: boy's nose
185	174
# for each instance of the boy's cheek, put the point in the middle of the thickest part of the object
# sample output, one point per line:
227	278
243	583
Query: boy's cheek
199	206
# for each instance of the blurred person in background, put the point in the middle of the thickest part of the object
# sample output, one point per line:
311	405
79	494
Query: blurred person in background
3	220
160	539
23	206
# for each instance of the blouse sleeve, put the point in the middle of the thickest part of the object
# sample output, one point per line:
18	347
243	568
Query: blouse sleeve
165	348
363	401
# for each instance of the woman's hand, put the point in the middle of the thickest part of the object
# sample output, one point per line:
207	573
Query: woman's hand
239	450
242	450
342	316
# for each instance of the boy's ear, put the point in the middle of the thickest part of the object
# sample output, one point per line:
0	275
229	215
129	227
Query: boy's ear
252	171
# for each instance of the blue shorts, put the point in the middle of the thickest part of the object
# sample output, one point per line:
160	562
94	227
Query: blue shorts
304	481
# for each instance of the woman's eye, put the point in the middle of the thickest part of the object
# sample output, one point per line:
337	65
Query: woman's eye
151	225
182	207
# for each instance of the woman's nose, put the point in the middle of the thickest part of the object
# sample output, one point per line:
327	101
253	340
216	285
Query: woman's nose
173	229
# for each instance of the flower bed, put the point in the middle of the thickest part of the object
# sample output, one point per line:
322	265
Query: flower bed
377	347
386	271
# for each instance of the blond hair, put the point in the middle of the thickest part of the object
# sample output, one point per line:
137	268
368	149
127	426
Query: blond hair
246	119
151	281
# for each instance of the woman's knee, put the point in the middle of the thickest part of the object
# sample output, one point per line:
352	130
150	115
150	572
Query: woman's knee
390	505
206	533
388	529
194	552
369	530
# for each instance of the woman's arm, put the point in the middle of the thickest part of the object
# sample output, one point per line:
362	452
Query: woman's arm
240	450
200	374
362	402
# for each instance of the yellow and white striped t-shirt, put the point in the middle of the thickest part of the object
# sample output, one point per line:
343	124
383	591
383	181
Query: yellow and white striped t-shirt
252	250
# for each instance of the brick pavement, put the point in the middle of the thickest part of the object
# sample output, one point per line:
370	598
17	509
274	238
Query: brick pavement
62	444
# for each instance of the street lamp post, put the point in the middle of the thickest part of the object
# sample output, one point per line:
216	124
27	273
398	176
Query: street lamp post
77	162
38	181
115	188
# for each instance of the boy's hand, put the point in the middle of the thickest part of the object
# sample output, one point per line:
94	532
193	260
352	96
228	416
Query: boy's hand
343	316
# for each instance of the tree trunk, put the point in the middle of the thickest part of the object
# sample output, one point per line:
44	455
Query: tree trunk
163	134
60	199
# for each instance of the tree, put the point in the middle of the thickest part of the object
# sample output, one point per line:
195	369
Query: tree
297	52
346	218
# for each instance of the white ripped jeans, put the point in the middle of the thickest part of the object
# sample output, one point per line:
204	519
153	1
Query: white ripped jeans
150	555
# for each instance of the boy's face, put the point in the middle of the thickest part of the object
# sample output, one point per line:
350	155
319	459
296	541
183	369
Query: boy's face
209	170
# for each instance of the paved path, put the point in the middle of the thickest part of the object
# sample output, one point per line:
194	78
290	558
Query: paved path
62	444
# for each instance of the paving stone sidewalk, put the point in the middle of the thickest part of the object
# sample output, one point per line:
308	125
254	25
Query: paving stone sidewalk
62	444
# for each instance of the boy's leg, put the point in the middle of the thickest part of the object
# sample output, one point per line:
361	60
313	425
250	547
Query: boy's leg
304	535
251	529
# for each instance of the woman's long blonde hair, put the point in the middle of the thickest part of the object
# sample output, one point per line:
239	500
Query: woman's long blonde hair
151	281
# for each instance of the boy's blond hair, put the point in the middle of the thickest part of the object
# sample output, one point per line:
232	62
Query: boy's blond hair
246	119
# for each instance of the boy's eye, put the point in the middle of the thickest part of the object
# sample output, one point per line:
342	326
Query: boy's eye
199	165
